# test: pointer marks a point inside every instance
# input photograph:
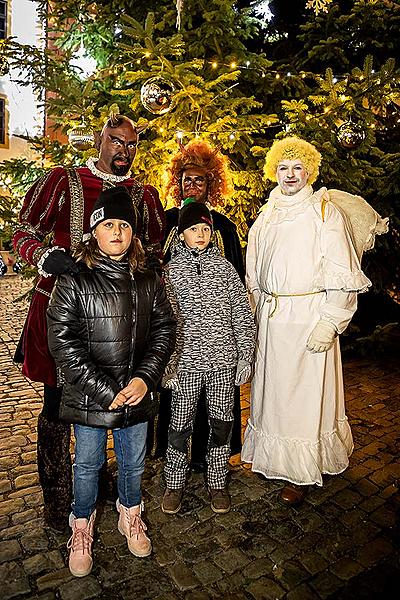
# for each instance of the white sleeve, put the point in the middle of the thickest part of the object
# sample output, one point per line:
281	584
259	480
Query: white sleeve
340	267
339	308
252	284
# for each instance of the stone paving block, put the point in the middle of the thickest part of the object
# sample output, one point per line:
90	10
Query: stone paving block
259	568
35	541
347	499
231	560
226	585
371	504
10	550
14	581
54	579
43	562
80	589
5	485
265	589
182	576
326	584
163	553
13	442
24	517
346	568
375	551
8	506
313	562
290	574
8	461
206	572
385	516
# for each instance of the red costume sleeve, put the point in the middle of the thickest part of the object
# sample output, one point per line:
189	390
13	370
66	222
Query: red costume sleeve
39	212
153	216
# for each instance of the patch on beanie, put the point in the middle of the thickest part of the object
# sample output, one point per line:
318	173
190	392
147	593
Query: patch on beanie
96	216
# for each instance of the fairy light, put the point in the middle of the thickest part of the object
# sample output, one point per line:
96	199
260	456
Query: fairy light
147	54
233	65
232	136
179	135
277	76
214	65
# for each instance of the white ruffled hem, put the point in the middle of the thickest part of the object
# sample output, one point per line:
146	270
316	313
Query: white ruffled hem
301	462
341	279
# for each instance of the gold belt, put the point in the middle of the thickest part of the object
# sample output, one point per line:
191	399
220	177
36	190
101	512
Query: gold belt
275	297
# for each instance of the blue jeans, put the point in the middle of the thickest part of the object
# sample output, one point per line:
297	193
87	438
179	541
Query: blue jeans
90	452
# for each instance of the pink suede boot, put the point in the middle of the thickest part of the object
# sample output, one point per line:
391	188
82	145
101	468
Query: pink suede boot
80	543
130	525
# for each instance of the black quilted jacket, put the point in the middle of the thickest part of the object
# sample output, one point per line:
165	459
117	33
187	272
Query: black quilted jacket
105	327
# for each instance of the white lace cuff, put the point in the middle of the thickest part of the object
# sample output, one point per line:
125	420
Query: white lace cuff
45	254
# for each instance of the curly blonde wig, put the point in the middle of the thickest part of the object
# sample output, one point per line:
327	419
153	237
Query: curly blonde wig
199	154
292	148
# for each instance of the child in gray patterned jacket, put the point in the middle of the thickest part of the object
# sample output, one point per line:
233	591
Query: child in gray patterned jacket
214	350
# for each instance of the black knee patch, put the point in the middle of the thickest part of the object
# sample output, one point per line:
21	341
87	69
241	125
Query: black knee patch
179	439
221	432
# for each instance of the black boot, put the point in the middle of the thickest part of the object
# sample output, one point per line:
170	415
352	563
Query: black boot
55	473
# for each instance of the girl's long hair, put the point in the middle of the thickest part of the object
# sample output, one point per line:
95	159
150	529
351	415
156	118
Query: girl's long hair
89	253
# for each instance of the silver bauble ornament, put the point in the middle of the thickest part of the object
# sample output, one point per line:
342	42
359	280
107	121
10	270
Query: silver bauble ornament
81	137
350	135
157	95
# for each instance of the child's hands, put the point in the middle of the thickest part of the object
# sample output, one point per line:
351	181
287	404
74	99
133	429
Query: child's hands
132	394
243	372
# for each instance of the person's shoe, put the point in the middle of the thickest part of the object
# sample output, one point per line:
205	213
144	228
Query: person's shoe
80	544
293	495
130	525
220	500
172	501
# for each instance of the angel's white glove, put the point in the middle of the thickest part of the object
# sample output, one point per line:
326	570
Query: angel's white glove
171	382
322	337
243	372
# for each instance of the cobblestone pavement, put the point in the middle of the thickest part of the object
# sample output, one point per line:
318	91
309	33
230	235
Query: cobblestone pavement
341	544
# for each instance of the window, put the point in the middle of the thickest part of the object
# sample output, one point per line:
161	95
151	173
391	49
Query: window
3	19
3	121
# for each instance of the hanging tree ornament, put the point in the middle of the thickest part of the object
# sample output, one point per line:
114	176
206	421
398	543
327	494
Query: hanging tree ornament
350	135
157	95
81	137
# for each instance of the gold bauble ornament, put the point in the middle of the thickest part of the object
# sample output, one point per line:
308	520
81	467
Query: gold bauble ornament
81	137
157	95
350	135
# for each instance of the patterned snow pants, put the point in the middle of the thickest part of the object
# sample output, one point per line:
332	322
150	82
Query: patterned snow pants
219	387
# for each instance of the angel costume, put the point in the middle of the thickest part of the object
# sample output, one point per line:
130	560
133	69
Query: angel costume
301	267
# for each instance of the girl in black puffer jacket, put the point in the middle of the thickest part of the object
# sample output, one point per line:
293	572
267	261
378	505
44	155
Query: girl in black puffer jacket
111	332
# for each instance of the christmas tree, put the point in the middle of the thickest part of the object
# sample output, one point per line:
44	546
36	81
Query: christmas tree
239	80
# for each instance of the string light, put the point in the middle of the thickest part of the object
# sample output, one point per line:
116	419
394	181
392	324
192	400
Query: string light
147	54
233	65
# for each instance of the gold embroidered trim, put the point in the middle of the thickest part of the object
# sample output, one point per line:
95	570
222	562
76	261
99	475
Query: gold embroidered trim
218	242
76	207
40	185
39	289
171	240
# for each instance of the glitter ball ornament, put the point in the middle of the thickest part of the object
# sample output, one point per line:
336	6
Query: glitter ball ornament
350	135
157	95
81	137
